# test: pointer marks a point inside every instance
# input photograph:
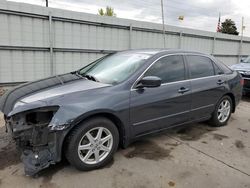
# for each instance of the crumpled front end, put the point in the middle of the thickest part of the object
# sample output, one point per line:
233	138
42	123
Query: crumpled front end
39	114
33	135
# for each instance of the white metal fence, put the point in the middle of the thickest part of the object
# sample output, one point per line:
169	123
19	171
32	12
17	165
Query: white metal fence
37	42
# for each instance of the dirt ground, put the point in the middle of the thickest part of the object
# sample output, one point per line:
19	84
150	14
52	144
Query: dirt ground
193	156
2	91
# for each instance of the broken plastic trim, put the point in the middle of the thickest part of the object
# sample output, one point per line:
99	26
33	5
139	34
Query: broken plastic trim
55	127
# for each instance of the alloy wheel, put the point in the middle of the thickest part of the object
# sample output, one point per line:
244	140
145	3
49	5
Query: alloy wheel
224	110
95	145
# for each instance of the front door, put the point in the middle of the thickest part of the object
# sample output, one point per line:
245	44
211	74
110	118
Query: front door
165	106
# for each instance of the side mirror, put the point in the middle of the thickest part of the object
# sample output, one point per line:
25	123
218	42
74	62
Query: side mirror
149	81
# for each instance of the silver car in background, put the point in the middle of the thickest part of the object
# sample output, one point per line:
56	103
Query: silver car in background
244	69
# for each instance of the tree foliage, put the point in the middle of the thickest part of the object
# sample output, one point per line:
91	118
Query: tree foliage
108	12
229	27
101	12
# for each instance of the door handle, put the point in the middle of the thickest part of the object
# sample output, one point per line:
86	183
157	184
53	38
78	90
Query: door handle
220	82
183	90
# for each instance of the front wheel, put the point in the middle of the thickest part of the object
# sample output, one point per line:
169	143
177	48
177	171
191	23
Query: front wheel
222	112
92	144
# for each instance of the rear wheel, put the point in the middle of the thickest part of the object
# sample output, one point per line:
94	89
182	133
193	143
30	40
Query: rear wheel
91	144
222	112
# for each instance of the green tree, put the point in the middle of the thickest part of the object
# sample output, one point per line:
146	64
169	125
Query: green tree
109	12
101	12
229	27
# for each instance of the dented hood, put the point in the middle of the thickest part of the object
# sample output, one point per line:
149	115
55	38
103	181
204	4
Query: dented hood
44	89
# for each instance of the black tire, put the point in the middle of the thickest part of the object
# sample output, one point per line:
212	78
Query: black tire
77	134
214	121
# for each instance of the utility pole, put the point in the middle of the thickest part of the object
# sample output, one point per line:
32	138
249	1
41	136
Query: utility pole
163	24
241	38
47	3
242	26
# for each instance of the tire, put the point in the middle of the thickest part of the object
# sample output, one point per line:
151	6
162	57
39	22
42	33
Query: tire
83	144
218	120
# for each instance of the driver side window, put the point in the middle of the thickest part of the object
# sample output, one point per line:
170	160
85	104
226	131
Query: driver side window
169	69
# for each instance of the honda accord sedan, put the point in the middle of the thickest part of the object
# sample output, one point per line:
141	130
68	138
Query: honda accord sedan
86	114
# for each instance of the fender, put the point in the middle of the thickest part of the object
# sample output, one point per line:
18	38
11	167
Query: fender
123	126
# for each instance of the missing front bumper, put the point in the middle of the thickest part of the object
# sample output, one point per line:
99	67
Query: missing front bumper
37	144
35	161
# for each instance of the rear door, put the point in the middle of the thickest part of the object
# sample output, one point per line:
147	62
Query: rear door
207	85
164	106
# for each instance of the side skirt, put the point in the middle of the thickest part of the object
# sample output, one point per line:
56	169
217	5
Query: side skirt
167	128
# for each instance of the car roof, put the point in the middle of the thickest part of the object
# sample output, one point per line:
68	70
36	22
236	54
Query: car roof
154	51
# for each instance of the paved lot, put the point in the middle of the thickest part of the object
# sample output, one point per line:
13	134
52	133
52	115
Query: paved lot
194	156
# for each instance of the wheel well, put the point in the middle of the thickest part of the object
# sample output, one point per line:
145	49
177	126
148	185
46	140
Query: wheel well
115	120
109	116
233	100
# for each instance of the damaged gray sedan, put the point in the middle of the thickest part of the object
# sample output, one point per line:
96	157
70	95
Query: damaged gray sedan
84	115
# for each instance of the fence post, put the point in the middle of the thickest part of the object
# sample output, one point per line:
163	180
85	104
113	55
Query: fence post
180	40
213	46
51	43
130	36
240	49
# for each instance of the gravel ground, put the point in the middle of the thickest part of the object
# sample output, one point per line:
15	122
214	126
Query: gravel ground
192	156
2	91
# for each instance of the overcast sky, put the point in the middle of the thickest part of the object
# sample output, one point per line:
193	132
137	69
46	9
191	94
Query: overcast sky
198	14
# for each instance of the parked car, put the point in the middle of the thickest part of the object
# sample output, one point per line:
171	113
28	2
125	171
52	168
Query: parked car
244	69
115	100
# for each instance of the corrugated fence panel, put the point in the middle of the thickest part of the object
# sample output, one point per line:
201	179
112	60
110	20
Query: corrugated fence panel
197	44
16	66
75	35
246	48
36	41
228	60
69	61
23	31
142	39
227	47
172	41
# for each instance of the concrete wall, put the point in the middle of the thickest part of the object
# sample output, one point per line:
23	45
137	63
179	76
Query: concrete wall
36	42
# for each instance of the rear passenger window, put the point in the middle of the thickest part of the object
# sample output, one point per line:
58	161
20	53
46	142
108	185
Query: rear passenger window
199	66
169	69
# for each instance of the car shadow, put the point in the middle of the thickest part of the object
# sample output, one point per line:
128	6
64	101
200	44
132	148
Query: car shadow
246	98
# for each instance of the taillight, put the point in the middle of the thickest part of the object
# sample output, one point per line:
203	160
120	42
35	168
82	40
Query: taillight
242	82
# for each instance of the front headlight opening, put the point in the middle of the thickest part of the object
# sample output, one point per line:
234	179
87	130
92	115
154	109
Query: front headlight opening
40	117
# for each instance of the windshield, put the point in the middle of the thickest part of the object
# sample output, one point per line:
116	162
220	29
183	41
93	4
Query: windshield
247	60
115	68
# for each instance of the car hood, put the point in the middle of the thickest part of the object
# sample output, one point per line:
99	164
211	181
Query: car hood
42	90
241	66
